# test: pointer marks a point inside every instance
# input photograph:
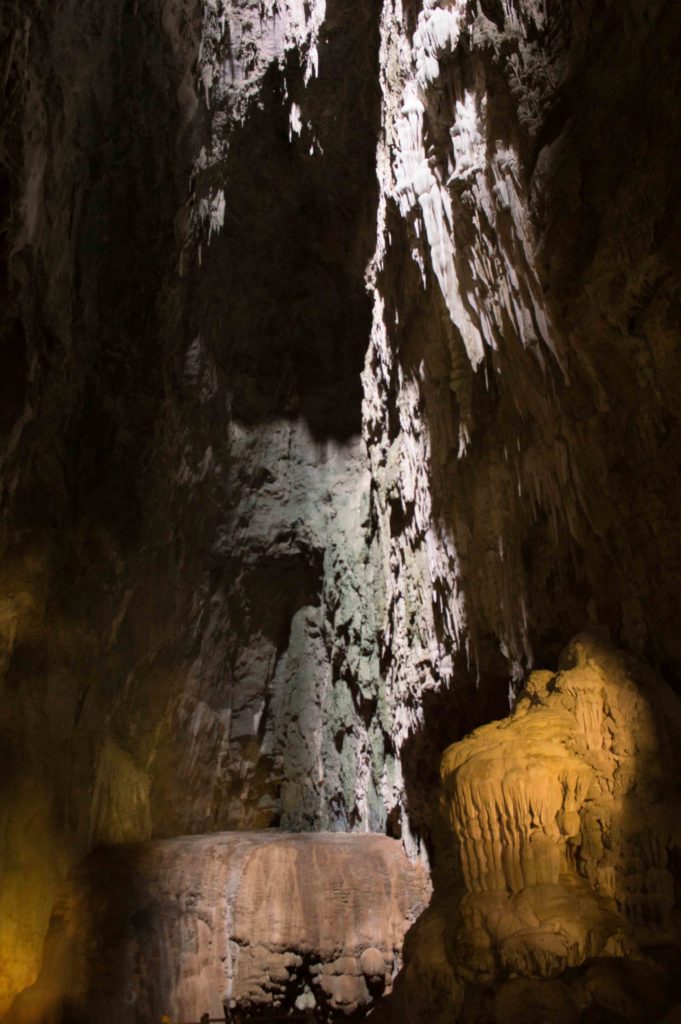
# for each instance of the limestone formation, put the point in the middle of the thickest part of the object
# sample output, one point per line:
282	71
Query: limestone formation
567	817
250	920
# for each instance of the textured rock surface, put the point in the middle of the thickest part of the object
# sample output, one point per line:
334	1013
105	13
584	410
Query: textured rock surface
567	818
339	376
565	821
530	241
188	926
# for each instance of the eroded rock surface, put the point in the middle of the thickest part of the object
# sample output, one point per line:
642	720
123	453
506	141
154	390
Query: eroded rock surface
254	920
567	823
566	816
557	893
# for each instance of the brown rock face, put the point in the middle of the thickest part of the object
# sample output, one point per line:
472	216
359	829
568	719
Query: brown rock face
255	920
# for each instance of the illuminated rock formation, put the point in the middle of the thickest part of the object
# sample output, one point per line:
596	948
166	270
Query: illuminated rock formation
194	925
556	898
567	817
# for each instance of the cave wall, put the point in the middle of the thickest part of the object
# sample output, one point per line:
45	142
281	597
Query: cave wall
339	374
541	246
518	411
91	179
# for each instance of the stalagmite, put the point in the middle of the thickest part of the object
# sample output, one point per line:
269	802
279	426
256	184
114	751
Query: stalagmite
567	817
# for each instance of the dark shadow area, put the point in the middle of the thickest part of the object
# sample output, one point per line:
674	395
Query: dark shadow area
449	714
86	291
280	295
94	916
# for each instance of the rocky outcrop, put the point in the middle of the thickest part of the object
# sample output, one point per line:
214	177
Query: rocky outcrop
505	372
556	895
239	920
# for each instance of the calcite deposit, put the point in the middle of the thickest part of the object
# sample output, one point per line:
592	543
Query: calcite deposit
567	816
254	920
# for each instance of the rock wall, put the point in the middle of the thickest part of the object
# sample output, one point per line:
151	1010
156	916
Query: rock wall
339	368
260	920
94	158
505	375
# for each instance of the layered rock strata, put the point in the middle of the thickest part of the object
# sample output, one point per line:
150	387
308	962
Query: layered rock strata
250	920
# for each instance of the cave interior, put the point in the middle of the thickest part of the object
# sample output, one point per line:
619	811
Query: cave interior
340	478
